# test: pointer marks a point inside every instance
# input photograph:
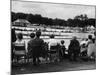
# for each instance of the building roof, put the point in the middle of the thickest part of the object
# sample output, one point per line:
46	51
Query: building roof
22	21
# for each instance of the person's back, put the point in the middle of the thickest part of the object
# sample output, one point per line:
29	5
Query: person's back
13	39
74	49
62	51
13	35
74	45
53	49
19	45
91	46
29	45
52	41
36	44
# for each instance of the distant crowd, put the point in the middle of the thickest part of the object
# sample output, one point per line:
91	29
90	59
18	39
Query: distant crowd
52	50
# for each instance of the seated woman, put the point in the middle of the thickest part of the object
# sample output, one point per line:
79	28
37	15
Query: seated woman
53	49
19	47
29	54
91	50
74	49
83	47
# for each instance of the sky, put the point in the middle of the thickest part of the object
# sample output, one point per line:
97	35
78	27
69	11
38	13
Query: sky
51	10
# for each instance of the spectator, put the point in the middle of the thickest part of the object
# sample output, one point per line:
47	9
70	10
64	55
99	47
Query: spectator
83	47
91	47
13	39
19	46
54	49
29	48
74	49
36	46
13	35
62	51
52	41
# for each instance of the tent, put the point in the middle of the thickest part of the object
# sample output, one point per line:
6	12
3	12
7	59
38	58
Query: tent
21	22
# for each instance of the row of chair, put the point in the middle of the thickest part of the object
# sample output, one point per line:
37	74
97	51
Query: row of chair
51	55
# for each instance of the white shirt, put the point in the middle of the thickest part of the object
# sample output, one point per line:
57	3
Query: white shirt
52	42
19	43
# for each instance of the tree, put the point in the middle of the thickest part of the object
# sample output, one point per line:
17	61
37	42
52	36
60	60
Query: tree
13	16
79	20
30	18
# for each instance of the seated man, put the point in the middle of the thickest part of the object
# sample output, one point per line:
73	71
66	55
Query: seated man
74	49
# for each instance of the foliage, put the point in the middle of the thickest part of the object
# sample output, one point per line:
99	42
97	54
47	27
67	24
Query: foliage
78	21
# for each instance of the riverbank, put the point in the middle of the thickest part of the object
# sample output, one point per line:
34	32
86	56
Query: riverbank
63	66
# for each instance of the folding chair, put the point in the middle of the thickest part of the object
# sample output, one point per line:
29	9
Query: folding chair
20	53
54	53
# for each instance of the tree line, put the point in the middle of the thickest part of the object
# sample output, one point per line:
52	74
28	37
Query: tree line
78	21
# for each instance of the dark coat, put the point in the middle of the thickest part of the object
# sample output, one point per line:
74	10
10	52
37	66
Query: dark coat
13	35
74	46
35	46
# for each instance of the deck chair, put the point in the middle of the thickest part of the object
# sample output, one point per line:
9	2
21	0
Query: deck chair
20	53
54	53
83	50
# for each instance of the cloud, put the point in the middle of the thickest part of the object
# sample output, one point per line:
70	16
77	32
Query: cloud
51	10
